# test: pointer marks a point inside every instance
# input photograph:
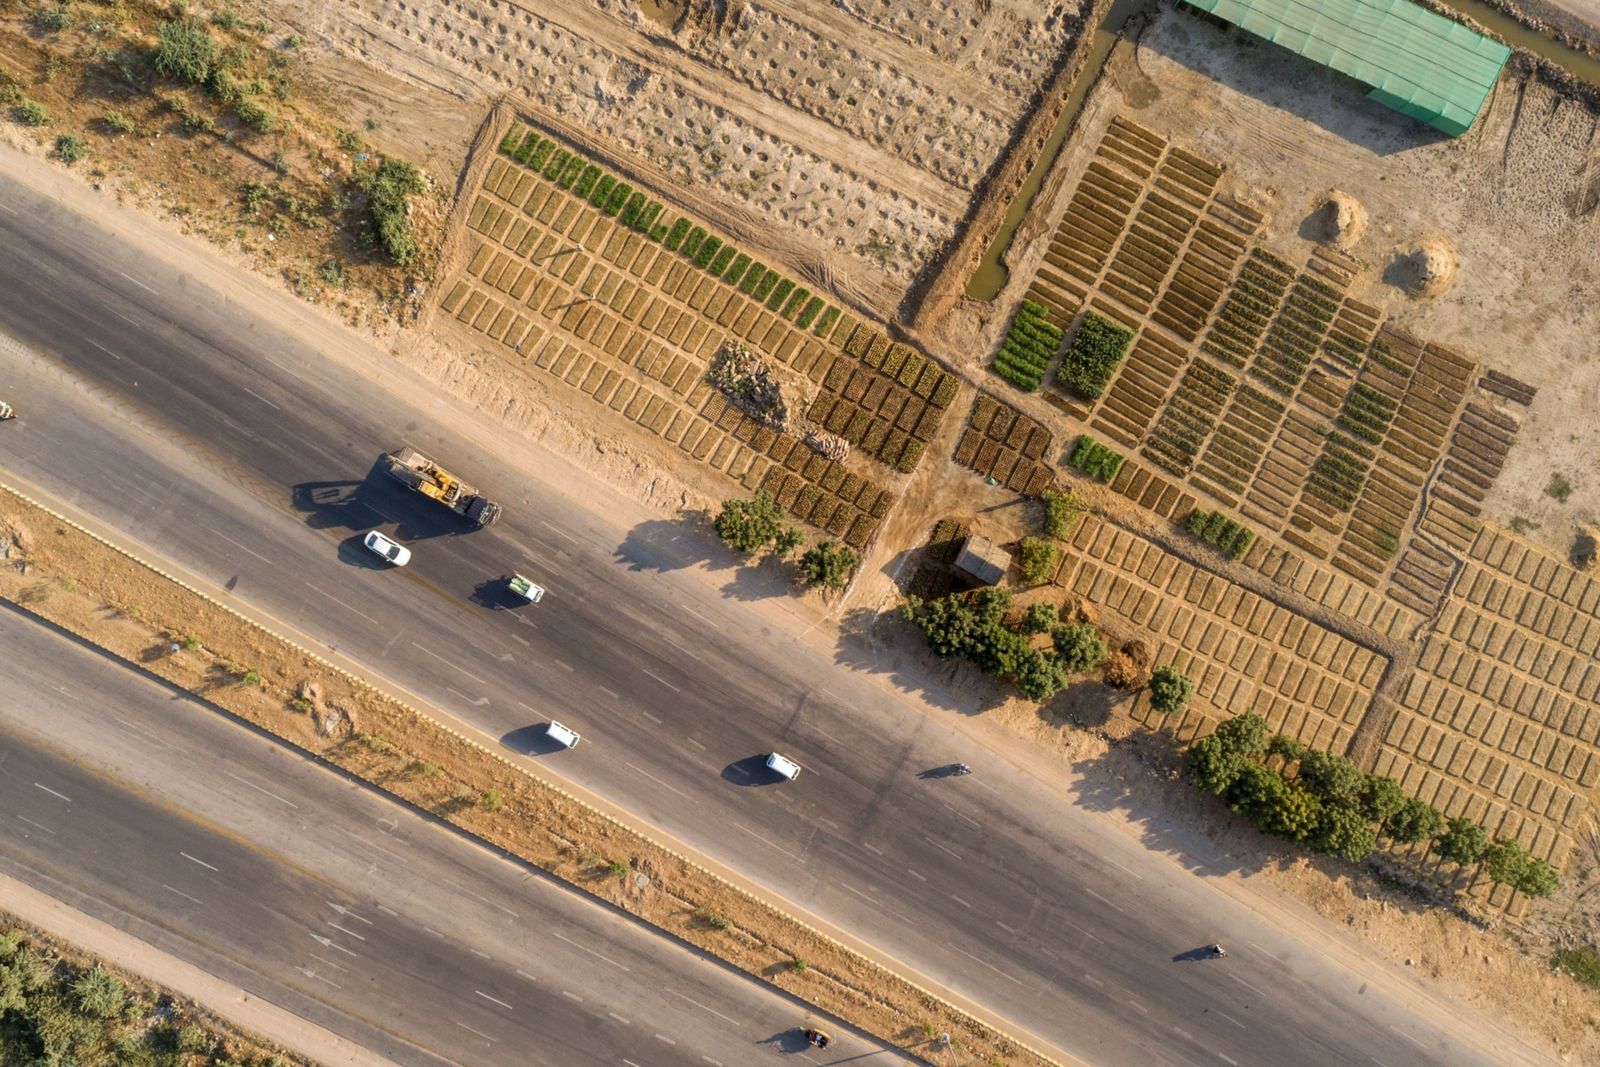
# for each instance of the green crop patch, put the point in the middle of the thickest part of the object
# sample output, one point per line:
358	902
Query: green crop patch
1097	349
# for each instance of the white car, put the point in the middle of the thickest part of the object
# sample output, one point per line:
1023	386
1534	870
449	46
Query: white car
392	551
784	766
564	736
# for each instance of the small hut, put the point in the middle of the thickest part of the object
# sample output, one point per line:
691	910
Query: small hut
982	560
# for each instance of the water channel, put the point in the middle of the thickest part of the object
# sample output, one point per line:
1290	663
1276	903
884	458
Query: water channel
990	276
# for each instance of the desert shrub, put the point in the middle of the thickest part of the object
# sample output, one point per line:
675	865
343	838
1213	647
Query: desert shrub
1038	557
52	18
1170	689
185	50
389	188
32	113
1095	459
70	148
258	118
1059	511
828	564
1080	646
117	122
1028	347
98	994
1097	347
1582	963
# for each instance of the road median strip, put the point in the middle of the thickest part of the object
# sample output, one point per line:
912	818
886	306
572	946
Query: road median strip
105	595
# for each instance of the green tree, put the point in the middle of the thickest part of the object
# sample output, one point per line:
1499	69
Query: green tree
1040	675
1506	861
949	623
1416	821
1245	734
1040	617
1463	842
1343	831
1213	765
1038	559
828	564
1170	689
1539	879
1000	651
1255	790
749	525
1381	798
1333	778
1286	748
789	540
1297	815
185	50
1080	647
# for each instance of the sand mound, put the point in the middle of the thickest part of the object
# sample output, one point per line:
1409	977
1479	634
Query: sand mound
1430	269
1343	219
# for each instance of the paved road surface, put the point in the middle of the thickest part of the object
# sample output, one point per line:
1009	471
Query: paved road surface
319	896
193	426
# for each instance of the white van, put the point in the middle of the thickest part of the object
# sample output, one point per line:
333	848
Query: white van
783	765
562	735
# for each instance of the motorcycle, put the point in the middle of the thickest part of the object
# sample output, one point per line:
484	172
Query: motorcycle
6	411
818	1038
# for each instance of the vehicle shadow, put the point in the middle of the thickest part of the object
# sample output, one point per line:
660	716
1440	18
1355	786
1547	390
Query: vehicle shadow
375	500
353	553
495	594
1194	955
949	770
531	741
751	771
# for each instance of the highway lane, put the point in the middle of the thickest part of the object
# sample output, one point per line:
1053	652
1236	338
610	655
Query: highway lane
989	885
312	892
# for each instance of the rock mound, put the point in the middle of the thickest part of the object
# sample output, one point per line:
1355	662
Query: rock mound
1430	269
1343	219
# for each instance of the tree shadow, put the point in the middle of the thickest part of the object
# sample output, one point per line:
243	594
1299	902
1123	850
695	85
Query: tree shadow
751	771
761	580
868	642
532	740
373	500
1102	785
663	545
1274	75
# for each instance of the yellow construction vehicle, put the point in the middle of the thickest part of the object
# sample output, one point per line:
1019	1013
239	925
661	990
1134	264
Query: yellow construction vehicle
416	471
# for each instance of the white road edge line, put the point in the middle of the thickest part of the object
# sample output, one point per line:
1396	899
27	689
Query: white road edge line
52	792
202	863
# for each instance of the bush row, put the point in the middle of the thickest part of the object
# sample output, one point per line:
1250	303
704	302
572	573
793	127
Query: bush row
1329	804
1029	346
617	199
1221	532
1095	459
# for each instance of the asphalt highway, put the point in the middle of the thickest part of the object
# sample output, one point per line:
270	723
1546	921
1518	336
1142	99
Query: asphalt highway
192	426
313	892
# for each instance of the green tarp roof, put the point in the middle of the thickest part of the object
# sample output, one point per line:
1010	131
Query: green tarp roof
1417	62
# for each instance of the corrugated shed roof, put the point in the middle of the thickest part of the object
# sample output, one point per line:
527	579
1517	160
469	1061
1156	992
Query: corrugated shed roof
1417	61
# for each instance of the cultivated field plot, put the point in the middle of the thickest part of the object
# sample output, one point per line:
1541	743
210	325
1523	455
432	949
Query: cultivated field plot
575	274
859	132
1243	652
1260	383
1500	720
